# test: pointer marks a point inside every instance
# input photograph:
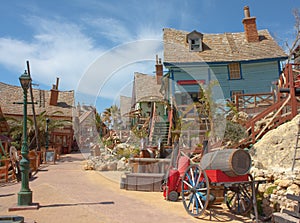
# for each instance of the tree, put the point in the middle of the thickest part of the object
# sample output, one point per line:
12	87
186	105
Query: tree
111	117
100	126
296	42
16	129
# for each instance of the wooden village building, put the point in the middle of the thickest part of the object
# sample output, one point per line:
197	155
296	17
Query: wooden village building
85	129
244	62
125	108
150	108
58	105
4	130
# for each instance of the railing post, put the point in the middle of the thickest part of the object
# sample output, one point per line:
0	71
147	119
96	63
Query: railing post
253	132
292	90
237	102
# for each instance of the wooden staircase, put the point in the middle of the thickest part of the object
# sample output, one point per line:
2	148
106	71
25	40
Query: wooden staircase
285	109
160	132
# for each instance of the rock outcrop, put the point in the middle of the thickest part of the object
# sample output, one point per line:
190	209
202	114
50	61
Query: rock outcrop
272	161
276	148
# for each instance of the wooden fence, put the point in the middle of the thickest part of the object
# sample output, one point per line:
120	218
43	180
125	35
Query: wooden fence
6	173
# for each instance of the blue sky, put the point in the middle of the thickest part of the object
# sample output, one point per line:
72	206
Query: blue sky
86	43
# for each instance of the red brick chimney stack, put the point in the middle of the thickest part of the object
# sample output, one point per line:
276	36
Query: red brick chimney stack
159	70
250	26
54	93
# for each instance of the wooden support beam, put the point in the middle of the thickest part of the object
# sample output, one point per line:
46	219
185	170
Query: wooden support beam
292	90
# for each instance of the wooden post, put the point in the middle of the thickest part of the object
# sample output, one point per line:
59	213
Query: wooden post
6	169
33	112
252	132
237	102
292	90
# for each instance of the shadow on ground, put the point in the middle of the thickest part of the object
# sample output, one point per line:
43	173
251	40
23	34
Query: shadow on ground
7	195
76	204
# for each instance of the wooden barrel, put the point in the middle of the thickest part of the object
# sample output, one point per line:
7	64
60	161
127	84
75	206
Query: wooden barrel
233	162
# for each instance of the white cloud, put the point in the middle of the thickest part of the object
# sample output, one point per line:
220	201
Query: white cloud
111	28
77	52
57	49
114	69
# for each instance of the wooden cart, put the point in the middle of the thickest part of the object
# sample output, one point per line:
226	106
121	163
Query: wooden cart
204	184
201	188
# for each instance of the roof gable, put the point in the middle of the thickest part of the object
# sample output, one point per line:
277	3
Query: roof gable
146	88
194	35
10	94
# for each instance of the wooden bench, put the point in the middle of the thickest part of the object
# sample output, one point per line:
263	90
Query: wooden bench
288	216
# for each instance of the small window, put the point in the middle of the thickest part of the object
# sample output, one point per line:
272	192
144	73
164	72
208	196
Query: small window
234	71
195	45
194	39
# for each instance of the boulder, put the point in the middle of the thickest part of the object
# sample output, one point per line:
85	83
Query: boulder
122	164
293	189
102	167
285	183
112	166
276	147
89	165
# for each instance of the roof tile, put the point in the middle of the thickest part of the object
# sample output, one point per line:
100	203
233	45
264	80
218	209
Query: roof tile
225	47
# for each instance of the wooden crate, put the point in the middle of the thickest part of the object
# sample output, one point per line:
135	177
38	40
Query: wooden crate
143	181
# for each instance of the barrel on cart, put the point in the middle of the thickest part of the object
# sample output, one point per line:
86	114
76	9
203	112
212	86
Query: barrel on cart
220	175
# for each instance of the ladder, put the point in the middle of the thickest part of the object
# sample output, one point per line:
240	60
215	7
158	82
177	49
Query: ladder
297	146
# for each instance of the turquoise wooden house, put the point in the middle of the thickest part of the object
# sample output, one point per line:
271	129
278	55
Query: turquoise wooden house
242	63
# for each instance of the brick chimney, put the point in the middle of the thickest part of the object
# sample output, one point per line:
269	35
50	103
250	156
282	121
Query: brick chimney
250	26
159	70
54	93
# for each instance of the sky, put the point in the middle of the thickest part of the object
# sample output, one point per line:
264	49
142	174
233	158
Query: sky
95	46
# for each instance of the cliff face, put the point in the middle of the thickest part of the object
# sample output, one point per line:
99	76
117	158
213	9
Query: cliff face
276	148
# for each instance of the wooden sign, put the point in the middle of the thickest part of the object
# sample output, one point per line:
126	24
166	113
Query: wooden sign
50	156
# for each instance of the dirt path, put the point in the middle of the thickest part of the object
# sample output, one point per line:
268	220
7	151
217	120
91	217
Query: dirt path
66	193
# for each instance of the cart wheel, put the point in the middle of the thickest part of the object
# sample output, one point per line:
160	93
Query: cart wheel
195	190
173	196
239	198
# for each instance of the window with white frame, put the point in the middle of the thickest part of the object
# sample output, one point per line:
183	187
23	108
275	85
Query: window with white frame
234	71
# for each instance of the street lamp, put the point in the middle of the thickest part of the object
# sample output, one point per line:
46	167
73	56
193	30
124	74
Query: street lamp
25	194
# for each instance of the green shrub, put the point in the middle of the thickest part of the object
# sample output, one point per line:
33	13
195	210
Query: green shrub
270	190
234	132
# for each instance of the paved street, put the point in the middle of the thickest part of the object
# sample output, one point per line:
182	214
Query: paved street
67	193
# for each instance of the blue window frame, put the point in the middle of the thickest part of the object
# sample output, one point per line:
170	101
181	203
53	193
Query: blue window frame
234	71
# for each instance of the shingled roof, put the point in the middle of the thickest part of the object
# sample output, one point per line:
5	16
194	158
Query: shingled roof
226	47
10	94
146	88
4	128
125	104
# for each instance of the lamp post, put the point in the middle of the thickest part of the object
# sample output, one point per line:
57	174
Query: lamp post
47	134
25	194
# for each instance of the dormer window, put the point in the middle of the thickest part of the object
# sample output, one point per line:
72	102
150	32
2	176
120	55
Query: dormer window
194	40
195	45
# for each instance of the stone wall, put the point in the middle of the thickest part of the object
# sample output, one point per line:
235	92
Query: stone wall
280	182
272	161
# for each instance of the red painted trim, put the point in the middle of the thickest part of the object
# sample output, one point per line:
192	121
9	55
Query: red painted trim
217	176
